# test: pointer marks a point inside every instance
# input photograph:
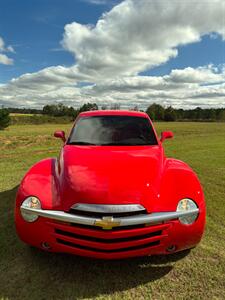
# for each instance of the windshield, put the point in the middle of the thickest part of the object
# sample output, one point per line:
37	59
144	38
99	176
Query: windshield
112	130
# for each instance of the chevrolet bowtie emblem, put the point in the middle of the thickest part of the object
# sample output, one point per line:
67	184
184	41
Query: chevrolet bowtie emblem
107	223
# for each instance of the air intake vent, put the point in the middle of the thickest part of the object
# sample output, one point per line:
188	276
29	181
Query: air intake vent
99	210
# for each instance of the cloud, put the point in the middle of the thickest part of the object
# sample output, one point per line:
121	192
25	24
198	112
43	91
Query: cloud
10	49
2	44
48	79
138	35
4	59
97	2
202	86
204	75
132	37
100	2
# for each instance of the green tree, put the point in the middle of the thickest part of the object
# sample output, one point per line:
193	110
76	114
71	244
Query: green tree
155	112
115	106
221	115
88	106
58	110
170	114
4	118
48	110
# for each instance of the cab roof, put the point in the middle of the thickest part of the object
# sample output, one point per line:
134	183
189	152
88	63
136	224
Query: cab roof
113	113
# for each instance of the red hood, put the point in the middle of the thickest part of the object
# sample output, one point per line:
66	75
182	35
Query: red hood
110	175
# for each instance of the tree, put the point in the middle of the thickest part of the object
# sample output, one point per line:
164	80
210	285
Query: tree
135	108
155	112
59	110
48	110
170	114
4	118
115	106
104	107
71	112
180	114
221	115
88	106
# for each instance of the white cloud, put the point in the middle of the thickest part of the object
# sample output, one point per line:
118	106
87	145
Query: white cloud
10	49
100	2
97	2
134	36
204	75
203	86
138	35
48	79
4	59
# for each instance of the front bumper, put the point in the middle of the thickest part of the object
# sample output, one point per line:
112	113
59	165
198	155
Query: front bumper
137	235
109	222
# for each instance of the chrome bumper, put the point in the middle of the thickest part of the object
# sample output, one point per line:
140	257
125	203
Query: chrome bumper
109	222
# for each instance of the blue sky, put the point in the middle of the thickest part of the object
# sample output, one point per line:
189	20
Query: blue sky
35	30
207	51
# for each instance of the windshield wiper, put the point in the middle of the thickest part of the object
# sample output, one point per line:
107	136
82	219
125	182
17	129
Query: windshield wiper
82	143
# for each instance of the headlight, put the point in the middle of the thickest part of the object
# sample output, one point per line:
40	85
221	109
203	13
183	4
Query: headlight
30	202
187	205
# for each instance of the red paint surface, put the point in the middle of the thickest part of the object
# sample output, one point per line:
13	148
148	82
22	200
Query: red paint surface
111	175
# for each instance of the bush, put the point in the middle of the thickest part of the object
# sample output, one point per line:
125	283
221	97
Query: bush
4	118
39	119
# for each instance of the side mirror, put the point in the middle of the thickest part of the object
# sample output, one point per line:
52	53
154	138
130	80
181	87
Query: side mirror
166	135
61	135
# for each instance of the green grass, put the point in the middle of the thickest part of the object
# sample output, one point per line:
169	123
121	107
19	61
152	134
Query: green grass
33	274
21	115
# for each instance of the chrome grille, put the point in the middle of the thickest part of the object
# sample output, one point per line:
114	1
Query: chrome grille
119	239
100	210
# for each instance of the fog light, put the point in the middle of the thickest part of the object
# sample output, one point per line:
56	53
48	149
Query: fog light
30	202
46	246
171	248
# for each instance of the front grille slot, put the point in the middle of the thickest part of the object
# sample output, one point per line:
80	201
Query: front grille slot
108	241
139	226
67	243
105	214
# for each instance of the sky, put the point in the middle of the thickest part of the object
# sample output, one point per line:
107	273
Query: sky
131	53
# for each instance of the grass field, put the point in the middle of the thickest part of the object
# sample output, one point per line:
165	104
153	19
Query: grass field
21	115
31	274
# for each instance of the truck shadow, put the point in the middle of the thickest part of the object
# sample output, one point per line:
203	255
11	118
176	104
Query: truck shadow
28	273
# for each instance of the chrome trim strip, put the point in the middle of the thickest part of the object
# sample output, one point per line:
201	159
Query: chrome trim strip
123	221
59	215
108	208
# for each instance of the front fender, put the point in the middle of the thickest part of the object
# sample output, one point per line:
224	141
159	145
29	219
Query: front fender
41	181
179	181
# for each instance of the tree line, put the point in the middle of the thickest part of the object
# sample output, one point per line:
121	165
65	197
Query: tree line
159	113
156	112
